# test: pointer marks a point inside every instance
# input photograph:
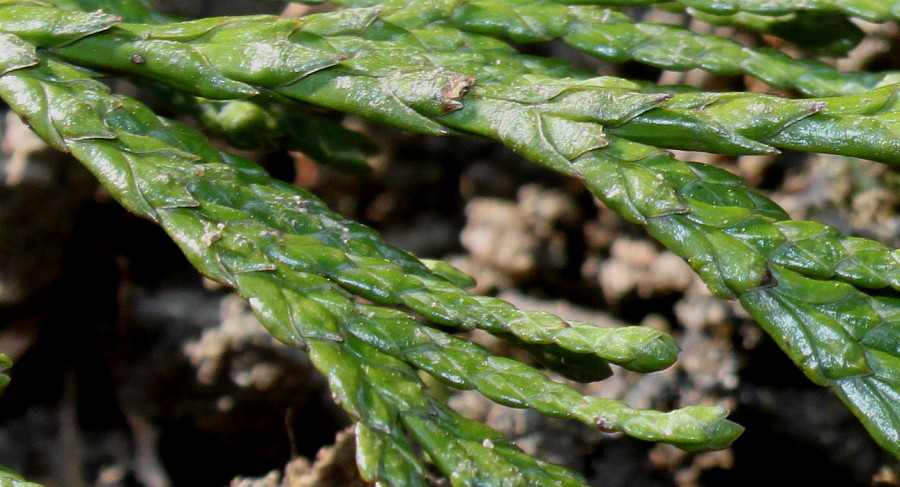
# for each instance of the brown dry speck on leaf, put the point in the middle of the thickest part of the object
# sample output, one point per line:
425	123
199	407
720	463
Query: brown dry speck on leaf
457	88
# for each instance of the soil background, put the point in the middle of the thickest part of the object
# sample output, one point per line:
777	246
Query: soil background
131	370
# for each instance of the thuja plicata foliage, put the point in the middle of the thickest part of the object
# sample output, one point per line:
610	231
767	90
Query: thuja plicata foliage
449	67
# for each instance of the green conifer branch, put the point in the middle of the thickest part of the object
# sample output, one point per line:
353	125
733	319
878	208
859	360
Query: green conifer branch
613	36
274	243
838	334
739	123
247	124
828	300
871	10
730	235
865	125
353	256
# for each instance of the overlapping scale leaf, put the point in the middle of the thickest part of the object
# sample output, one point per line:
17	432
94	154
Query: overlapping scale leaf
875	400
820	251
865	126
